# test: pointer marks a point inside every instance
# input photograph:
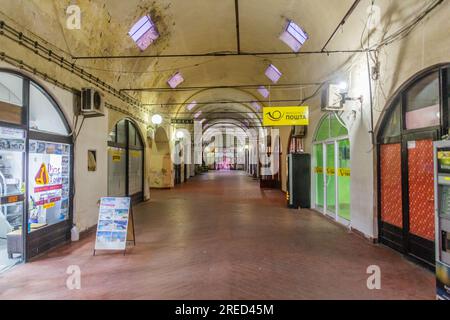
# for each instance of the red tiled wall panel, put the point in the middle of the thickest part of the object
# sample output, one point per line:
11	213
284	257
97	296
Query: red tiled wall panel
391	184
421	189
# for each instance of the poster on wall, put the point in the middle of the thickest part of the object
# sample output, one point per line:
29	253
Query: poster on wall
49	182
112	224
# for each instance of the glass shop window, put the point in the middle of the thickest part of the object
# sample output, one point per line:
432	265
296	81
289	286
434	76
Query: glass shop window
11	98
121	132
131	134
330	127
392	127
44	115
49	183
422	103
11	89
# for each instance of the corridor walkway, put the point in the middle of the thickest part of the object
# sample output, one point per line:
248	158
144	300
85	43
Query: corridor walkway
220	237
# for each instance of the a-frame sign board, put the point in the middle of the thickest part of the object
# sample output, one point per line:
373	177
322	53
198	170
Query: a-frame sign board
115	225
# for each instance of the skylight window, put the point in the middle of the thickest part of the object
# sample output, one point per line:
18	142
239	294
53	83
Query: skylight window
144	32
191	105
197	114
294	36
273	73
175	80
263	91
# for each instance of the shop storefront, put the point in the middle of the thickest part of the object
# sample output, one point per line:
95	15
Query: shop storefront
36	170
417	115
126	161
331	169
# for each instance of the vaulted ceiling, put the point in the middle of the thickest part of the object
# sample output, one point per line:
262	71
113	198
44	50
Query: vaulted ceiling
191	27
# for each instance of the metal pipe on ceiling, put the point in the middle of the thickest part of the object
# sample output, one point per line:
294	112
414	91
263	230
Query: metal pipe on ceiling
343	21
222	102
220	54
238	36
243	86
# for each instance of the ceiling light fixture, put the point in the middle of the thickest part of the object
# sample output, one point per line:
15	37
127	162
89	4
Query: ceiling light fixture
156	119
263	92
175	80
294	36
273	73
191	105
144	32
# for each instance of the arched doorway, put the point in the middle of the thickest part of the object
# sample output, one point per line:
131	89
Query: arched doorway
36	170
126	161
416	116
331	163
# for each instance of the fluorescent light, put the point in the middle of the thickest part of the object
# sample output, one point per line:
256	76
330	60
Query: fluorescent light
256	105
273	73
197	114
175	80
263	91
294	36
144	32
191	105
156	119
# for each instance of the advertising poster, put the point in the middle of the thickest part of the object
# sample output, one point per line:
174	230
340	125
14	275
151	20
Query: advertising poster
49	182
112	224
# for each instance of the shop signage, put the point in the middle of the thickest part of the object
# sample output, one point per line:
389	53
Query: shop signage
181	121
112	224
285	116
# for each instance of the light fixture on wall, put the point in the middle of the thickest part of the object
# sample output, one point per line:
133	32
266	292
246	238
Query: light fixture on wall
156	119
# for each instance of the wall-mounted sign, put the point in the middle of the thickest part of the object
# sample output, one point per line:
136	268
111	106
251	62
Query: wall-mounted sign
285	116
181	121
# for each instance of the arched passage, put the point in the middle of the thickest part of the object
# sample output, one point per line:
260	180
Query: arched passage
126	161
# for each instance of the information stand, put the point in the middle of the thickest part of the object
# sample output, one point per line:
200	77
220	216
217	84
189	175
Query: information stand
115	225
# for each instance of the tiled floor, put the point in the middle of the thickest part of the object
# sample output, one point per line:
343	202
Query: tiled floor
220	237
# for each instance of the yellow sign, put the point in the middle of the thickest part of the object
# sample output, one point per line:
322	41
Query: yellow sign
285	116
443	155
49	205
342	172
42	177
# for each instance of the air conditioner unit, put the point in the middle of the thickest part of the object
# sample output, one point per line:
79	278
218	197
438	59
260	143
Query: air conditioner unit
332	98
92	103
